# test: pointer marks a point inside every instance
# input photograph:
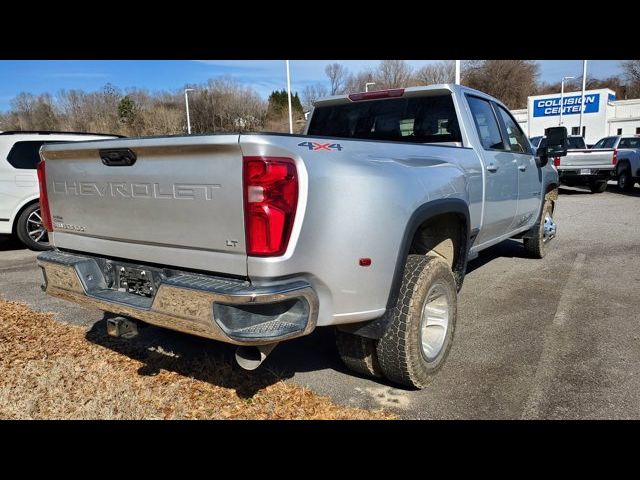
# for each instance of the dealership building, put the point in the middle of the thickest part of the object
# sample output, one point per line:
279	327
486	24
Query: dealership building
603	114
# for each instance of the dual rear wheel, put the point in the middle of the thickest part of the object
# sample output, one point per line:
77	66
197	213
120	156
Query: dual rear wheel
418	338
422	323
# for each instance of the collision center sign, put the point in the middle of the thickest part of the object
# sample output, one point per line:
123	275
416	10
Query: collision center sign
549	107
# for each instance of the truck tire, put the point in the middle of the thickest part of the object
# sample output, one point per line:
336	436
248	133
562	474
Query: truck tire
358	353
625	180
419	337
598	186
535	240
30	230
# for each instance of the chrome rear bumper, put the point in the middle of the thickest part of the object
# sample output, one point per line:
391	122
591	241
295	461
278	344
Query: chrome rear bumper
231	311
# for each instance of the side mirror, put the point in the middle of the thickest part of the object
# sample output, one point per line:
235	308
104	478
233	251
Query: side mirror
557	143
554	144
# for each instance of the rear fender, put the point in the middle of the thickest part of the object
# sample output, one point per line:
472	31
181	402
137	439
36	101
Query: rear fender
378	327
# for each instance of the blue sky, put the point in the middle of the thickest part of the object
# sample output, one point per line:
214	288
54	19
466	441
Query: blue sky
41	76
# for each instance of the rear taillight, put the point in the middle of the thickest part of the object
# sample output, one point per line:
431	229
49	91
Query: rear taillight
44	200
270	201
614	160
394	92
556	161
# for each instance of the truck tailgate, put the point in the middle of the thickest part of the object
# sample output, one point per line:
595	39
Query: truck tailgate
180	203
588	158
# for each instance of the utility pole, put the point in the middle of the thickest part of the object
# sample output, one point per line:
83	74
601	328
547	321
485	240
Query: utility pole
186	102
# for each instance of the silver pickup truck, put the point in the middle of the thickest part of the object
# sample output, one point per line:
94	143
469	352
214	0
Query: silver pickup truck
626	158
591	167
365	223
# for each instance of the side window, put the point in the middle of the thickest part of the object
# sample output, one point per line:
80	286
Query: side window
26	155
629	143
609	142
600	143
517	141
486	124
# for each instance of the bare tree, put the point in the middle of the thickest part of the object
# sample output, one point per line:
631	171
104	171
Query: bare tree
32	112
433	73
511	81
631	69
224	104
311	93
356	83
337	74
393	74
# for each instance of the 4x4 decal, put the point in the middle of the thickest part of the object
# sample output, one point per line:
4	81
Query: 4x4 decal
321	146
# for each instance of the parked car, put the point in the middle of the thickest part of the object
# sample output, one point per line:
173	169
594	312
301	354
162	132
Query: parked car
19	209
626	157
582	165
365	223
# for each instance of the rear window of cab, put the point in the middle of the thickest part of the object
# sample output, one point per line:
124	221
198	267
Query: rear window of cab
429	119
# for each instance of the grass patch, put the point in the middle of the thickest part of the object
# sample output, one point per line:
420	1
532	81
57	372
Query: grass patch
49	370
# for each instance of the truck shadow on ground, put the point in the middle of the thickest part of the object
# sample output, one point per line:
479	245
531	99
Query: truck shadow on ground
508	248
611	188
213	362
9	243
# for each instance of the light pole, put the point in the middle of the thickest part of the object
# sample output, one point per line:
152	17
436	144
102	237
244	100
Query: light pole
366	86
562	96
457	72
186	102
289	98
584	84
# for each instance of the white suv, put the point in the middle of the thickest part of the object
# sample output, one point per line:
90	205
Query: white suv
19	193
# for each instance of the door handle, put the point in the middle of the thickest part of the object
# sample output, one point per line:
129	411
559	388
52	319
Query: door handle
522	168
492	167
118	157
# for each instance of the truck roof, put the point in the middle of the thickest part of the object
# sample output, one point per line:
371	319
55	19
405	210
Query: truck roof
402	92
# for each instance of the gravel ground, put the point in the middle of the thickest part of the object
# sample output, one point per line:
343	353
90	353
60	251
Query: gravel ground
552	338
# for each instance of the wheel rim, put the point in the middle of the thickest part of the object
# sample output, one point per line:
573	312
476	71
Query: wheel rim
549	230
35	228
435	321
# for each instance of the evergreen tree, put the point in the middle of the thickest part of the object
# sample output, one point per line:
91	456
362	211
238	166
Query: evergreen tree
127	110
279	102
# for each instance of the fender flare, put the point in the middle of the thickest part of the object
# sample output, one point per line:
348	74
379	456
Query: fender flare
623	163
377	328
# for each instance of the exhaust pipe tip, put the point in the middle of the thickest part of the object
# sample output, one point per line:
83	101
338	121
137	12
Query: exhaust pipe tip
251	357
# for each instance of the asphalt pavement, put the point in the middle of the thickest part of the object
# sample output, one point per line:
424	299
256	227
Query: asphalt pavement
553	338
